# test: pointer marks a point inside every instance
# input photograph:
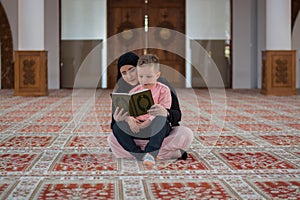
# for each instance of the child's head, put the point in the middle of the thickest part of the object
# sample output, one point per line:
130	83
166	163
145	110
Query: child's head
148	70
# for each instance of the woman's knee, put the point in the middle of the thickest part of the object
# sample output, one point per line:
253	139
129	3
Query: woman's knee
188	132
184	133
111	139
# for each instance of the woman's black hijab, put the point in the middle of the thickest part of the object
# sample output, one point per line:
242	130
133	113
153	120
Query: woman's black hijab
128	58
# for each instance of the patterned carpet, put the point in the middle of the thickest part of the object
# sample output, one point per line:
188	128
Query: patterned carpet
246	146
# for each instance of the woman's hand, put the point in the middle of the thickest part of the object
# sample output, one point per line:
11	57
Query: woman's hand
158	109
120	115
133	124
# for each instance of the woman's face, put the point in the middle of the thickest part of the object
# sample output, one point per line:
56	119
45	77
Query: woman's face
129	74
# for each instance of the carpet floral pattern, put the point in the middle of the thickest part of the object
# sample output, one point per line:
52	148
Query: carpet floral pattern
246	146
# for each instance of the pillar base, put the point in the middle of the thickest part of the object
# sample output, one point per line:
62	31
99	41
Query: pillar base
31	71
279	72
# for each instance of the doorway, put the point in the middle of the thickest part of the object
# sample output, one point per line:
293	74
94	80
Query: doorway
124	16
73	54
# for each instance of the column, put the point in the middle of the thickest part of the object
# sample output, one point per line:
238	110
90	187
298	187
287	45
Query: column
31	58
278	60
278	24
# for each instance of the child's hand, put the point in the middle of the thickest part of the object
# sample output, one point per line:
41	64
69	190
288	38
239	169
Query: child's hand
120	115
133	124
144	124
158	109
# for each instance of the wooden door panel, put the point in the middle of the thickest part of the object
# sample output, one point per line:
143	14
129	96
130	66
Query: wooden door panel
73	53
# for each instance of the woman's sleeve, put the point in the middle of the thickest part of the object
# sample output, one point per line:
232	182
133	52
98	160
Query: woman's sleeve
121	87
174	112
112	119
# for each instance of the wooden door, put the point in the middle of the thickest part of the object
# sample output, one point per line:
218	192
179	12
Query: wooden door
125	15
169	15
73	53
122	15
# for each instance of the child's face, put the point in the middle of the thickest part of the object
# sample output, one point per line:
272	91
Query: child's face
147	76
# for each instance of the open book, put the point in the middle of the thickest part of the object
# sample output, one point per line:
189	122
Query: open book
136	104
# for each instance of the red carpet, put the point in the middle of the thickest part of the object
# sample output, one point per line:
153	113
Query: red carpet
54	147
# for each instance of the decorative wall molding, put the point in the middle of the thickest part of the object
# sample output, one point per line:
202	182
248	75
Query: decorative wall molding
279	72
31	77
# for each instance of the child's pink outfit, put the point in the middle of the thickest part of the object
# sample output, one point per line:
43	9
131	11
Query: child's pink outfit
161	95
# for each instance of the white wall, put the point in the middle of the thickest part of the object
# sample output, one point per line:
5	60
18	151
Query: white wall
254	38
82	20
244	44
208	19
261	37
278	25
52	42
31	25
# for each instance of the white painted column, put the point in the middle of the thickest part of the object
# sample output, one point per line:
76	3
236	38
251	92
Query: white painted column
31	25
278	69
278	24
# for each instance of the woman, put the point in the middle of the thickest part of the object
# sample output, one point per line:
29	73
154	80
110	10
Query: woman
180	137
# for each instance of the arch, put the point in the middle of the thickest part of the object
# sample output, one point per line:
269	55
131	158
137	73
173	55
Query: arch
7	64
295	11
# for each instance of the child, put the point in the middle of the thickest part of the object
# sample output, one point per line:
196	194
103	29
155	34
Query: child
146	126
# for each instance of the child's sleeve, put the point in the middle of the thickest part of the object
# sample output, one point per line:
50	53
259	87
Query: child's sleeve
136	88
165	98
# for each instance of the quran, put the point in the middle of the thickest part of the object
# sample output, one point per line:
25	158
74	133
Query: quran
136	104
